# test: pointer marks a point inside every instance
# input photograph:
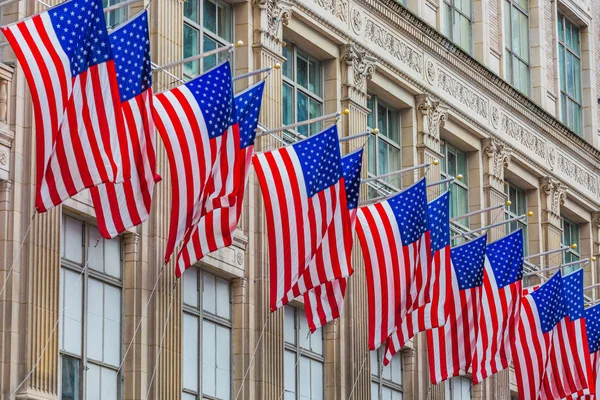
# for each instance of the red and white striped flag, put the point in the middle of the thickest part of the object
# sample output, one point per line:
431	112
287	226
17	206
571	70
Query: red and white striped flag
395	240
500	306
324	303
67	60
125	205
195	123
542	311
592	324
305	203
216	227
450	347
434	313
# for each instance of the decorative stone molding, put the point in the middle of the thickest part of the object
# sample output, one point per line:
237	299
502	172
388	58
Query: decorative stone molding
498	158
272	15
357	68
339	8
463	93
431	116
130	241
553	197
596	219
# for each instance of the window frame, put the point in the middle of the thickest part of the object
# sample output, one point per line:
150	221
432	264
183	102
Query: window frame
508	213
452	5
570	254
464	378
509	13
379	380
295	51
203	315
203	31
85	274
302	352
386	183
108	15
564	47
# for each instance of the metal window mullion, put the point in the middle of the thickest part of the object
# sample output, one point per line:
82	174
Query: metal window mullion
84	293
200	315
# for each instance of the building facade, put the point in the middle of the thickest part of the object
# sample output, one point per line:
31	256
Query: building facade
502	92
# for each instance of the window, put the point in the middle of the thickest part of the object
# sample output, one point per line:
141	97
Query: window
458	388
387	383
90	313
516	43
569	62
457	23
518	199
454	163
207	25
115	17
570	236
302	90
384	150
304	362
206	320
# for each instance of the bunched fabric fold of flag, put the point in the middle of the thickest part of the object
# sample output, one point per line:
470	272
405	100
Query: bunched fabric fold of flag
434	313
592	323
195	123
324	303
542	310
395	240
216	228
68	63
125	205
450	347
305	203
500	306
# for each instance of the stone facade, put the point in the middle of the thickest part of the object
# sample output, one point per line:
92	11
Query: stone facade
367	47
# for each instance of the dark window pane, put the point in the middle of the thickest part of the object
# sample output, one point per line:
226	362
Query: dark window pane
302	73
70	378
302	112
288	104
190	10
287	68
210	16
224	25
210	61
191	43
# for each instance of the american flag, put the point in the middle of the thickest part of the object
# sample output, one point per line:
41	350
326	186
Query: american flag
125	205
324	303
216	227
569	369
592	322
195	123
500	306
542	310
434	313
451	346
67	60
305	203
395	240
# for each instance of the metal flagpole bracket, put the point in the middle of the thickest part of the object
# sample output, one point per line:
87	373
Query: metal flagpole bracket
335	115
545	253
488	227
230	46
450	180
549	269
373	132
592	286
258	71
467	215
401	171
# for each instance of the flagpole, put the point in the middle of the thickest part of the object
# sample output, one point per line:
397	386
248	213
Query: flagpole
302	123
549	269
488	227
507	204
258	71
374	132
230	46
432	184
120	5
545	253
447	180
401	171
592	286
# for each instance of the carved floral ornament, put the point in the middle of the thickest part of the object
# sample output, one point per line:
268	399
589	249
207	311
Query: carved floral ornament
434	115
278	12
339	8
556	192
499	156
362	65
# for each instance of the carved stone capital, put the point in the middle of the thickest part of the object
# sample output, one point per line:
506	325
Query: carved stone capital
357	67
553	196
272	14
431	116
130	241
596	219
497	158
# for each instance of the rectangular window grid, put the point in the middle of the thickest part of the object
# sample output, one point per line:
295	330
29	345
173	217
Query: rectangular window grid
90	330
387	383
518	206
302	90
457	22
569	62
570	236
304	363
516	44
207	330
454	163
459	388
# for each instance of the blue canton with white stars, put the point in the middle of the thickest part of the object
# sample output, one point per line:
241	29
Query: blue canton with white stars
351	167
439	222
573	294
468	261
247	109
82	33
131	48
506	258
319	157
410	209
549	302
592	326
213	92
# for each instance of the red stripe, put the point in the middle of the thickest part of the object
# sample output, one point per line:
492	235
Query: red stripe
369	275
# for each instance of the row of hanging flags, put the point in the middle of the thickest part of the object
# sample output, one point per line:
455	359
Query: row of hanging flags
96	116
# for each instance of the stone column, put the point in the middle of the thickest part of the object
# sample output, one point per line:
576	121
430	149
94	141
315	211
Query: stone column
596	251
553	197
496	157
431	116
351	330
